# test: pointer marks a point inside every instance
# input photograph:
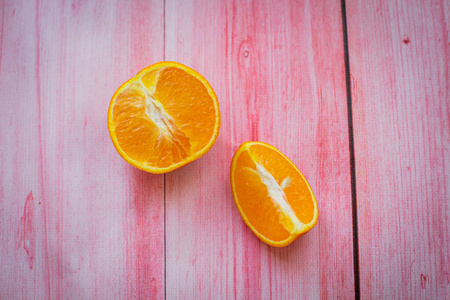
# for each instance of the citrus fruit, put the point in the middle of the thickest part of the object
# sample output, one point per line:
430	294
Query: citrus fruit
272	196
164	117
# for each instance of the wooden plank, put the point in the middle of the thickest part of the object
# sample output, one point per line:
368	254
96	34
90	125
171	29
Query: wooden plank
278	70
76	221
399	62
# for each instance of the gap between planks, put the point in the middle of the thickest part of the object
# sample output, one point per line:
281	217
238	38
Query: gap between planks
352	151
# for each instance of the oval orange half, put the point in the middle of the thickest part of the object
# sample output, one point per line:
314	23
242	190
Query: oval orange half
164	118
272	196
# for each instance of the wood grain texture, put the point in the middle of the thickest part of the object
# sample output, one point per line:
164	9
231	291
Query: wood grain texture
76	221
399	63
278	70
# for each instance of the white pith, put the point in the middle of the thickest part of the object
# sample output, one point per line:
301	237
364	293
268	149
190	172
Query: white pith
285	183
153	108
278	196
155	111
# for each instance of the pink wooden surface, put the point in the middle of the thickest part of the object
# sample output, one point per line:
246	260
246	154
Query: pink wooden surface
278	71
399	62
77	222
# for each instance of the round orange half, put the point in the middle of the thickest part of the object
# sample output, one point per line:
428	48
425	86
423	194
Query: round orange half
164	118
272	196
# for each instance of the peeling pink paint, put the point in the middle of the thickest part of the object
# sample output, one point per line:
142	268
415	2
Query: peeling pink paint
27	232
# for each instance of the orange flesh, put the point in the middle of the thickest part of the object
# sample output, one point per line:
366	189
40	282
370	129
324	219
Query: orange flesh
297	193
252	193
163	117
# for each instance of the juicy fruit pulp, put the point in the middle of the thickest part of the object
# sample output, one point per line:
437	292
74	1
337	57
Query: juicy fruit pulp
165	117
273	197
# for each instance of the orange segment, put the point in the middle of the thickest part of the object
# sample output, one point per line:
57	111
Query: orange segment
180	93
272	196
259	207
164	117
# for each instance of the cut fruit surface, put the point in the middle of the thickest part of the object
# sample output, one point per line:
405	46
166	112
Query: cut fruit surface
164	117
272	196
